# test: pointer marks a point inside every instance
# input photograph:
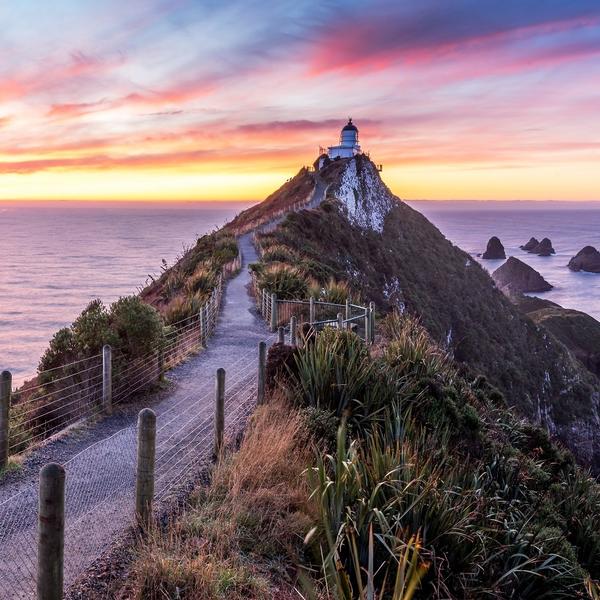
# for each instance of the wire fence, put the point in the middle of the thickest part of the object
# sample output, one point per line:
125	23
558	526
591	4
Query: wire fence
100	481
59	397
317	314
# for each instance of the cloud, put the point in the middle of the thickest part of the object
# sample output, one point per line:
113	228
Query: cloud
390	33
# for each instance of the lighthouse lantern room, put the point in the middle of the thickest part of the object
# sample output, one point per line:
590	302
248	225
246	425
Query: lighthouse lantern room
348	146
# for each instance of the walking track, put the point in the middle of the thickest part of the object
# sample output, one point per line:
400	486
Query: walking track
100	479
100	461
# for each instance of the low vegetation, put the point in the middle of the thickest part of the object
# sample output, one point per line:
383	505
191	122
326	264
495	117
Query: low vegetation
239	537
383	474
411	267
181	290
297	189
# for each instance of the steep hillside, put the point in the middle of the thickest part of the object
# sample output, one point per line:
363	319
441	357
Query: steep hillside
393	255
297	190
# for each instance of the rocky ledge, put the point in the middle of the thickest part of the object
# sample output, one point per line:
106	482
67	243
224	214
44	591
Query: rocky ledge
514	276
494	249
587	259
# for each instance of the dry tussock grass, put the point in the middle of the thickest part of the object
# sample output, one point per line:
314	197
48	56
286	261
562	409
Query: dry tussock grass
239	531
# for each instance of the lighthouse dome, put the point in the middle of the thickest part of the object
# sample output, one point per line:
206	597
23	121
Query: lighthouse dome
350	126
348	146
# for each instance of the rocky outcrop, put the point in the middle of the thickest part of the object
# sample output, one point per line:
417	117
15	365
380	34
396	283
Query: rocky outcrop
514	276
578	331
494	249
366	200
587	259
544	248
530	245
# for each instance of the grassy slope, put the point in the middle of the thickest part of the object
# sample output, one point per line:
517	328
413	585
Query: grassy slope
413	265
498	510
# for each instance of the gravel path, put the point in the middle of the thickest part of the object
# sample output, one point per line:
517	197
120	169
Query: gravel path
100	459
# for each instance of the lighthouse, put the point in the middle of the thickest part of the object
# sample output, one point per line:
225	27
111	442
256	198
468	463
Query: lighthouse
348	146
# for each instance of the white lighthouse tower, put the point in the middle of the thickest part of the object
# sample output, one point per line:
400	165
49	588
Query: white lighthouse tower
348	146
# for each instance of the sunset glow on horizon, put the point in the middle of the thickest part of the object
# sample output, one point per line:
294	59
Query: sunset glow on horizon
201	100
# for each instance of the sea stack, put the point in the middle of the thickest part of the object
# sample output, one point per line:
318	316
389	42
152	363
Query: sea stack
514	276
587	259
530	245
544	248
494	249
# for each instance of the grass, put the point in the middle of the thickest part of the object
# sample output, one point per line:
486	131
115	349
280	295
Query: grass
240	535
383	474
287	282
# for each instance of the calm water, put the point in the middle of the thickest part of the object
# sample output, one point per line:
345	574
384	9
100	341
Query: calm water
56	258
570	226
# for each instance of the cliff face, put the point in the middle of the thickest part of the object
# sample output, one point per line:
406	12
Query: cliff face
394	256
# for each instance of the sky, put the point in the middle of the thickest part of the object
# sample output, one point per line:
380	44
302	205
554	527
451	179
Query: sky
217	100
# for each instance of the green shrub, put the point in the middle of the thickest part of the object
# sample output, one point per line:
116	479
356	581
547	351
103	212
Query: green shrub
411	352
201	282
336	373
279	253
288	283
137	325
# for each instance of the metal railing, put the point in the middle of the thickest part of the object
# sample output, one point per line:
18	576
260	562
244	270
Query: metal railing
316	313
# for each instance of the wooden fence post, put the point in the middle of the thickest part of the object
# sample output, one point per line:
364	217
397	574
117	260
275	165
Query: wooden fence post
144	488
281	335
5	391
274	320
340	321
367	326
262	369
348	313
311	310
219	413
372	329
107	379
51	532
293	328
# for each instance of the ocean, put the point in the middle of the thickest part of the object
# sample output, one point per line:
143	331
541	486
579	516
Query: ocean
57	257
569	225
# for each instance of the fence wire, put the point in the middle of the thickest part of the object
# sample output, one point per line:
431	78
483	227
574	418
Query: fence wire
325	314
61	396
100	481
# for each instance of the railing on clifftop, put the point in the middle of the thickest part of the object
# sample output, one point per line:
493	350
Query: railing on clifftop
316	313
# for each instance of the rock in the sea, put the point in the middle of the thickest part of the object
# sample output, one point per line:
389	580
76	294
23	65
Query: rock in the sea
494	249
587	259
514	276
530	245
544	248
